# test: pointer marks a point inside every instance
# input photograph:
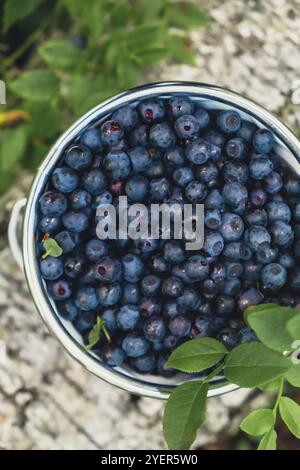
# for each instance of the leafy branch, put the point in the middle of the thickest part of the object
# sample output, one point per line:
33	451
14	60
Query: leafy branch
267	364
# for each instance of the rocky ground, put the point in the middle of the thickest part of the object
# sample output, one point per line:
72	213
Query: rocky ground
47	401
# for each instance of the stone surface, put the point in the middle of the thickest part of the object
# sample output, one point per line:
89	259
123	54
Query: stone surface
47	401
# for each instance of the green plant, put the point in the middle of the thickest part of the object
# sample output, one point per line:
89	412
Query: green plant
75	54
267	364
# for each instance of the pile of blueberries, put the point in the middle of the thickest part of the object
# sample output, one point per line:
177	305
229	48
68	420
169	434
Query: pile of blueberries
153	294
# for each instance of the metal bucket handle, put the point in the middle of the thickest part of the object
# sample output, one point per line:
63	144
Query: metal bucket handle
13	231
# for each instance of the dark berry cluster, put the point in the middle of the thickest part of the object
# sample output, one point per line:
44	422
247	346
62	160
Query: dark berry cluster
153	294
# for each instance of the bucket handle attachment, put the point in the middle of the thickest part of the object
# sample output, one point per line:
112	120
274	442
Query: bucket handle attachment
14	232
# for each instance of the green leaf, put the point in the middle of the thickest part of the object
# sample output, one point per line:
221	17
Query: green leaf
36	85
197	355
293	326
253	364
15	10
141	36
84	92
95	333
270	386
290	413
51	123
257	308
52	248
184	413
151	55
258	422
60	54
180	50
6	180
90	13
270	326
12	147
293	375
269	441
187	15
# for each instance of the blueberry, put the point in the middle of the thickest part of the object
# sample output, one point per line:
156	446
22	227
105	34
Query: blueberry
156	169
172	308
210	289
214	200
229	121
258	197
286	260
235	172
60	289
246	131
49	224
260	167
282	233
234	269
189	298
257	237
256	217
180	326
111	132
228	337
144	364
109	316
273	183
170	342
74	266
131	293
278	211
179	106
108	269
294	280
135	345
155	329
162	368
158	264
236	251
133	267
53	203
231	287
137	188
113	356
85	322
109	294
140	158
117	165
263	141
172	287
150	306
202	326
218	273
68	310
198	151
202	117
186	126
91	138
79	199
236	148
159	189
197	267
66	240
249	298
78	157
94	181
195	191
182	176
174	157
64	179
86	298
212	219
161	135
75	221
266	254
215	138
292	186
96	249
102	199
246	335
127	116
232	227
151	110
213	243
234	193
51	268
225	304
139	135
207	172
128	317
150	284
173	252
273	276
146	246
251	271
